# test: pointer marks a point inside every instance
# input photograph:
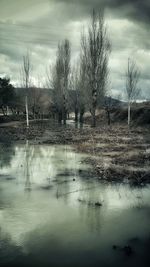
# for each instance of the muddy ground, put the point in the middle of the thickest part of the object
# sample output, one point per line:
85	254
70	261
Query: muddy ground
114	153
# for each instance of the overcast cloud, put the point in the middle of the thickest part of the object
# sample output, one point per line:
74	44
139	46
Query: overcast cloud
38	25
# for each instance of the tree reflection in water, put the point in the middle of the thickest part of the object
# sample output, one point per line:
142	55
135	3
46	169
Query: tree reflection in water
7	152
27	173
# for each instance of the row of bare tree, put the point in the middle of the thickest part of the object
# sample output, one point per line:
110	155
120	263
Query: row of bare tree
88	78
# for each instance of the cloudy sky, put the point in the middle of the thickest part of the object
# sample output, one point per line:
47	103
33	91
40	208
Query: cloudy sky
38	25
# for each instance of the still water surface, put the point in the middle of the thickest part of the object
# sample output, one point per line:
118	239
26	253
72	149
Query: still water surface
48	215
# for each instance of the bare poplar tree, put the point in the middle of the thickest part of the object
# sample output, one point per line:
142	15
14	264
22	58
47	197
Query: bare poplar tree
66	67
132	79
26	73
60	79
56	84
79	86
83	88
74	92
95	49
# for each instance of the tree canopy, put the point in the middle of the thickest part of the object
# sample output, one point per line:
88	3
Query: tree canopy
7	92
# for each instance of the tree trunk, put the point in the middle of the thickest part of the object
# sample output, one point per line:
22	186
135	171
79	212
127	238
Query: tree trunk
64	110
76	115
93	113
59	116
27	112
129	115
81	115
64	117
33	112
108	116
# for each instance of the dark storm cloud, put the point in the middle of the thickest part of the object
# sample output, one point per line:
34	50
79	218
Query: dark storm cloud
38	25
134	9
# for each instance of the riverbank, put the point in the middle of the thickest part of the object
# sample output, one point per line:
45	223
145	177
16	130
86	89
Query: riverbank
114	154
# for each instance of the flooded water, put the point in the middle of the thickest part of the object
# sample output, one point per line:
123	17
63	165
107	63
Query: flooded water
54	213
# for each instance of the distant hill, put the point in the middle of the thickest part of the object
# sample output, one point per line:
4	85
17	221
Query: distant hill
48	92
113	102
140	114
22	91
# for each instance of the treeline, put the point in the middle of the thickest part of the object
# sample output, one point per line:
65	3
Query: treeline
12	100
7	95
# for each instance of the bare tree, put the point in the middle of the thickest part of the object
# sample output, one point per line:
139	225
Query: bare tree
38	101
83	88
74	91
66	68
95	49
26	73
57	87
60	80
108	101
79	87
132	79
108	106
